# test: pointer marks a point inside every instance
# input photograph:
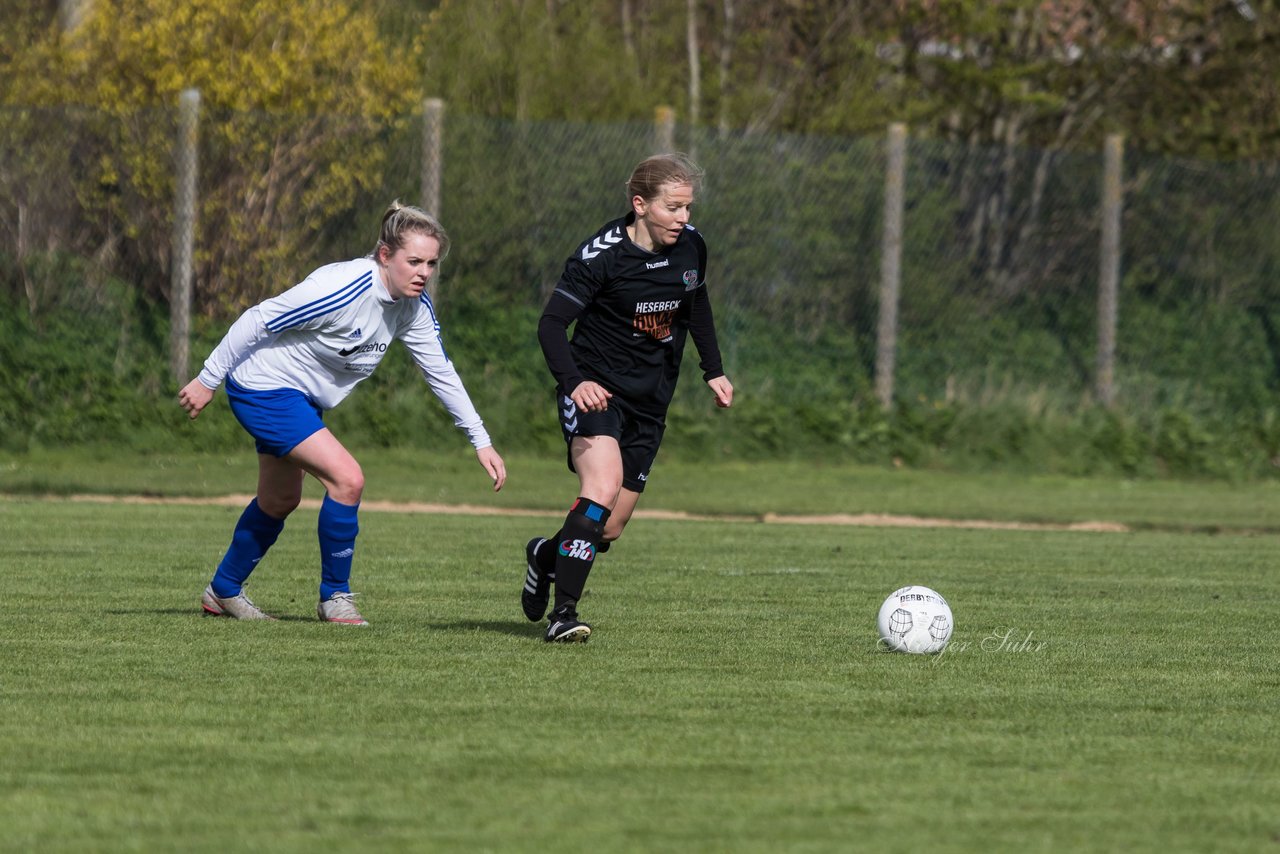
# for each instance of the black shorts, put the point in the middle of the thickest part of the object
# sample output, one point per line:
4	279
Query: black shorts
638	435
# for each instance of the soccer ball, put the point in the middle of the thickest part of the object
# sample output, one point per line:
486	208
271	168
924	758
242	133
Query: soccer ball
915	619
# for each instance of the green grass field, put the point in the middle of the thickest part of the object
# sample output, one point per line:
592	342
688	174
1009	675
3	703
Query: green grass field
1102	692
452	475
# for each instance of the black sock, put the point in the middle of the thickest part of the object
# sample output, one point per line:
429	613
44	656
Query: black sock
545	556
575	551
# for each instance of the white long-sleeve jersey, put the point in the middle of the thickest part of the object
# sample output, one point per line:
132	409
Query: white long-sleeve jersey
329	332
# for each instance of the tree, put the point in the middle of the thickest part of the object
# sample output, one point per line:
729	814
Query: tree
533	60
295	96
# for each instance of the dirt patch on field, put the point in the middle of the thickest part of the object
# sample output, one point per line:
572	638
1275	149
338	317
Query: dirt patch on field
883	520
869	520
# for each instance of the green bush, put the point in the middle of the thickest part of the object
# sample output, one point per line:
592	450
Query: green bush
92	367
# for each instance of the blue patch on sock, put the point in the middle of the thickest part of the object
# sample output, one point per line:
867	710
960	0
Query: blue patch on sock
593	511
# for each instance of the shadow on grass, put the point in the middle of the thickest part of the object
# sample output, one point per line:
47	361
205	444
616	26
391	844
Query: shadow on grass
502	627
198	614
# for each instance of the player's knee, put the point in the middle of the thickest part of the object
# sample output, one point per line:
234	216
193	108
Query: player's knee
279	506
347	486
602	490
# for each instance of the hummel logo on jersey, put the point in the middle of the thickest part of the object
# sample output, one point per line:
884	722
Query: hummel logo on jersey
653	265
601	243
580	549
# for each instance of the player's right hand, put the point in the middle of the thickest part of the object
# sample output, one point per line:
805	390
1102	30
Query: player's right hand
591	396
194	397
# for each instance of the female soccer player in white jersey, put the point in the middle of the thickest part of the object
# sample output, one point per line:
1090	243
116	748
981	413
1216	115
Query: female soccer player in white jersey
635	289
288	359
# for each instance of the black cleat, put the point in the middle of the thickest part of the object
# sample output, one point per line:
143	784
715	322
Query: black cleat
567	628
537	587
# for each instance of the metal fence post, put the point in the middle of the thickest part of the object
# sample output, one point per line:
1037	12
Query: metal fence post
1109	274
71	13
432	166
432	152
891	262
664	121
186	166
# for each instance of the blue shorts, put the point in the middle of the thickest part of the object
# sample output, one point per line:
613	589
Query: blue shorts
278	419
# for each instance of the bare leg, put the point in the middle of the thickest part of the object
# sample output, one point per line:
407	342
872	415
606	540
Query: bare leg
598	462
621	515
279	485
325	458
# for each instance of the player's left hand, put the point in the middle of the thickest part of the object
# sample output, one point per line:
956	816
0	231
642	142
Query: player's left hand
723	390
494	465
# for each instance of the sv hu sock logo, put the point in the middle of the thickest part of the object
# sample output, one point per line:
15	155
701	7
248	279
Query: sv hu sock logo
580	549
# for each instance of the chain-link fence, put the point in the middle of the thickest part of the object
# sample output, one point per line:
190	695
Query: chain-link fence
999	267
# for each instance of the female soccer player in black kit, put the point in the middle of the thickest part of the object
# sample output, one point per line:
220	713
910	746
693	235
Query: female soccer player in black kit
636	288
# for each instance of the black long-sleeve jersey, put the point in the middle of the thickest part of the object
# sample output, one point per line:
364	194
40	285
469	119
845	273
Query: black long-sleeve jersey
633	310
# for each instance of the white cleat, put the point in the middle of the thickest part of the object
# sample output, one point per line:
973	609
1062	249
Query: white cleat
341	608
239	607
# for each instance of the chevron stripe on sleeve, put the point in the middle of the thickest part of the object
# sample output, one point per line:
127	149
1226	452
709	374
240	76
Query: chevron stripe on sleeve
601	243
